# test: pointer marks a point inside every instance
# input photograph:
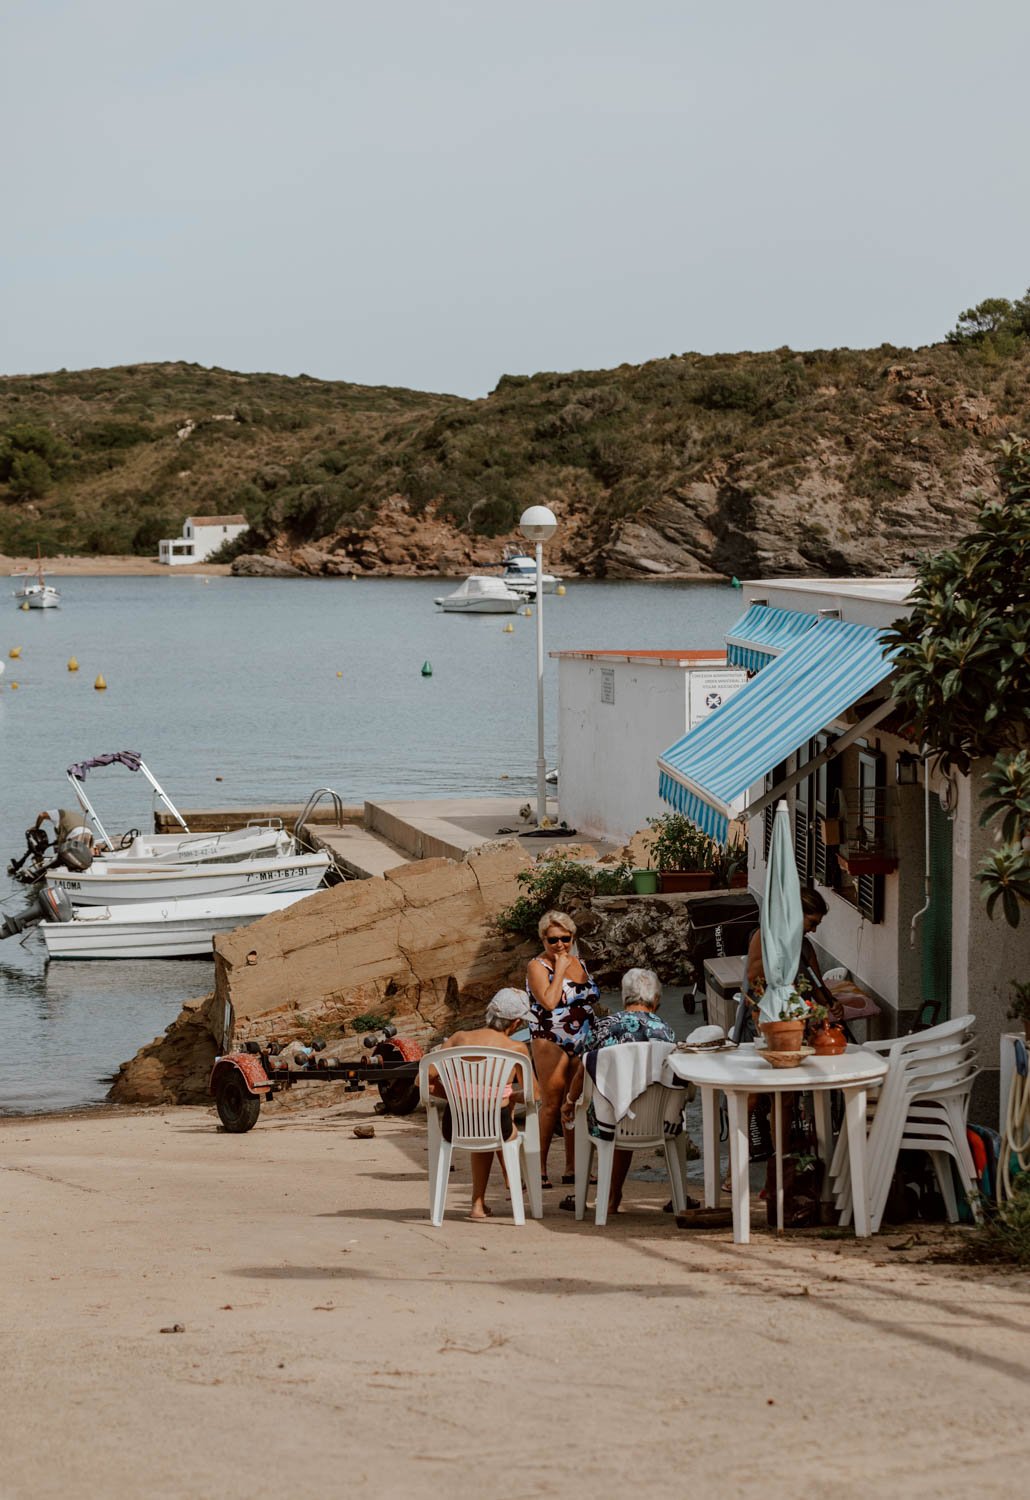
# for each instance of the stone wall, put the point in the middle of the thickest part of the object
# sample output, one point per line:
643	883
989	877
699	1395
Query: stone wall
418	946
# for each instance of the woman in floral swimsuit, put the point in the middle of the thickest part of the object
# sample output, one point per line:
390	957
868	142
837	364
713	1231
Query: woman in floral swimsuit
561	1001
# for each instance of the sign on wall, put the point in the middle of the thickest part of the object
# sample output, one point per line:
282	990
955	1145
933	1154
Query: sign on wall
607	684
708	690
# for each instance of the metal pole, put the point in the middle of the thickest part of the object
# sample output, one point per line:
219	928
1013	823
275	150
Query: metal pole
541	764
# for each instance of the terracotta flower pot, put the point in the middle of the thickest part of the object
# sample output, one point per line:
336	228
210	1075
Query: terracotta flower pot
783	1036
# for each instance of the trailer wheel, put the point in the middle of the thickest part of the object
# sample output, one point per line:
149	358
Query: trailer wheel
400	1096
238	1109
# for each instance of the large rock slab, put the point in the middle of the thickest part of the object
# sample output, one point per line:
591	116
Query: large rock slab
419	946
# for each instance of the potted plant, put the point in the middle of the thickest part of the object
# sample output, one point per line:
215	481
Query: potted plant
686	858
1019	1010
787	1032
645	882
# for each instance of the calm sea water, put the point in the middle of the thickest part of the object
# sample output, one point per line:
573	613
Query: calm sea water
238	679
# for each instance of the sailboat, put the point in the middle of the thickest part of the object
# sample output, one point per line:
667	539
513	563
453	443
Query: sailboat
38	594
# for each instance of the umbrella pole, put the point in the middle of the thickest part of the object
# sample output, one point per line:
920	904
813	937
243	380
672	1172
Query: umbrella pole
778	1118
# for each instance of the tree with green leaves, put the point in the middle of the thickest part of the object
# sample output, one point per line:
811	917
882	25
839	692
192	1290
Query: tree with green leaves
963	658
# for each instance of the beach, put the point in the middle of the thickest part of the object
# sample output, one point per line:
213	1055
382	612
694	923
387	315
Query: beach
123	565
331	1340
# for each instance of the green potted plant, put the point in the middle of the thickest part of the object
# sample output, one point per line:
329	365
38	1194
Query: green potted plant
1019	1010
686	858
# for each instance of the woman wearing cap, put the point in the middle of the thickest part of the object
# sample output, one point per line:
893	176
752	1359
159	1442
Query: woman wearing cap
562	997
507	1013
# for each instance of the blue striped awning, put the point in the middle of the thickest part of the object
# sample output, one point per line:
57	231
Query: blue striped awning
762	633
707	773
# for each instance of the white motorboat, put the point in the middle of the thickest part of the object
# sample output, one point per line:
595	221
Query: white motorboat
179	928
260	839
38	594
113	882
482	596
520	574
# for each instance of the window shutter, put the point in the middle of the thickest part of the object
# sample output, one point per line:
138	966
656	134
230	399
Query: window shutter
825	786
872	798
803	825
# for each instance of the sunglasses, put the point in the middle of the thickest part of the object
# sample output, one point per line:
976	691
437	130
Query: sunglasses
564	938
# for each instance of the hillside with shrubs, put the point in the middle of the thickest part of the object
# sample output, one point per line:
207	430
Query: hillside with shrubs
827	461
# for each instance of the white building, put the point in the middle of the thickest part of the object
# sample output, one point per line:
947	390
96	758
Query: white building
617	710
201	537
891	843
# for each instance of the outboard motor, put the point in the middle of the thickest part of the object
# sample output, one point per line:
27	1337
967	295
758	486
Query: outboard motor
75	854
36	846
48	906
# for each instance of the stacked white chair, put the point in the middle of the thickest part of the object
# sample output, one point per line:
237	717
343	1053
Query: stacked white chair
643	1128
921	1106
475	1081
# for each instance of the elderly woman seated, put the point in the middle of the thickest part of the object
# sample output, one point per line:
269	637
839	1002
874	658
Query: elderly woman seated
637	1021
507	1013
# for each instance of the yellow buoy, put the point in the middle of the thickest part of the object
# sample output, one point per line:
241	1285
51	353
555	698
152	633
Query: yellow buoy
14	653
23	606
73	665
100	684
560	589
339	674
528	611
14	684
509	628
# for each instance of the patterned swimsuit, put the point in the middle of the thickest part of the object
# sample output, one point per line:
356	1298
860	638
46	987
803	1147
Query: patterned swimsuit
565	1022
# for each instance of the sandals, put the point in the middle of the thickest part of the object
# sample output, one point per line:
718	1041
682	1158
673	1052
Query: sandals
568	1179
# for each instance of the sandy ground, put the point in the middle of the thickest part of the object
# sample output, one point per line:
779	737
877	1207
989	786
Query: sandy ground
68	567
334	1342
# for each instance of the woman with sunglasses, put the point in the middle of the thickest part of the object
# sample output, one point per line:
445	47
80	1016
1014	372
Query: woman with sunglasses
561	1001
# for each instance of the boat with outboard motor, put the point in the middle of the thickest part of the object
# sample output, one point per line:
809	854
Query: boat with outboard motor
181	927
482	596
113	882
263	838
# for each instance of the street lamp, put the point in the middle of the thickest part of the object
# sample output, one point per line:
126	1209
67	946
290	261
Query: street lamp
538	524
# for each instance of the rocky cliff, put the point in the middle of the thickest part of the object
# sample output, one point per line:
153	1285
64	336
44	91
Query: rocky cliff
828	461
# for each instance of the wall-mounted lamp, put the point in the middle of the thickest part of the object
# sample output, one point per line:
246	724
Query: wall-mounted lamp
828	614
906	769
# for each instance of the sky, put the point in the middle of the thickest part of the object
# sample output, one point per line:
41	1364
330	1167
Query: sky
433	193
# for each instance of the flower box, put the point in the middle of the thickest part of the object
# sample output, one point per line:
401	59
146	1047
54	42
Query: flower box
674	881
860	863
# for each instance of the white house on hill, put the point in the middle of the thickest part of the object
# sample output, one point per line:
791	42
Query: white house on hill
201	537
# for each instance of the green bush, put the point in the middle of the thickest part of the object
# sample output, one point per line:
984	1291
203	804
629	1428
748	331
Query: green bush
555	881
1004	1236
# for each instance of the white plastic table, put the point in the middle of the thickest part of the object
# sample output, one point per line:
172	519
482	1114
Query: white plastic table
741	1072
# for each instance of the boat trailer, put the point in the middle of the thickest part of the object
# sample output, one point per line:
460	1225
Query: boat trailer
240	1080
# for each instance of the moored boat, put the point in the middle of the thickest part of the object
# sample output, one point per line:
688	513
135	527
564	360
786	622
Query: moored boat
520	574
39	594
482	596
176	928
113	882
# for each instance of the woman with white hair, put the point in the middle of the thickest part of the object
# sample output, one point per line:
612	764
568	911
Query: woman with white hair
637	1021
507	1013
561	1000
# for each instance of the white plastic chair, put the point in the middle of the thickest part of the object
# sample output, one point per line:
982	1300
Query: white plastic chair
835	976
642	1129
921	1105
474	1081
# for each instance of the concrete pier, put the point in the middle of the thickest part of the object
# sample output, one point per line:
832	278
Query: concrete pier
378	836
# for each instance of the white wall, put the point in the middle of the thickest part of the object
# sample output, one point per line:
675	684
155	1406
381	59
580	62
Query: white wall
608	751
208	539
